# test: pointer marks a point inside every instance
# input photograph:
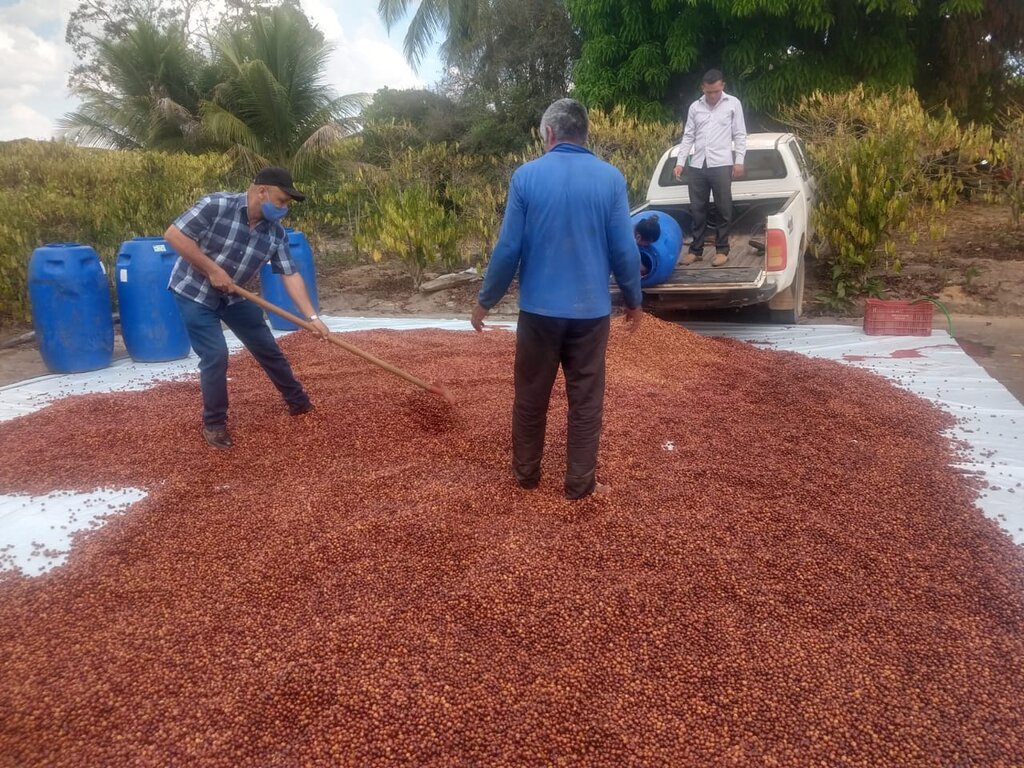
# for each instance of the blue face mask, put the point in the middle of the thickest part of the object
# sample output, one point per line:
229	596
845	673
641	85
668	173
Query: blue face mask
272	213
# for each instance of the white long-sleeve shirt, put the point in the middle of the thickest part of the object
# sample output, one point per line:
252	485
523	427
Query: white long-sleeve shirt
716	134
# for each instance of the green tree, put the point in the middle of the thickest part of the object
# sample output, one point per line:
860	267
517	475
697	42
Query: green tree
434	117
140	91
975	65
254	88
516	60
1009	153
270	103
93	23
506	60
649	56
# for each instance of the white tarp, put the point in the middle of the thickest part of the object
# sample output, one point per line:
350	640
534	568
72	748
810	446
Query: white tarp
934	367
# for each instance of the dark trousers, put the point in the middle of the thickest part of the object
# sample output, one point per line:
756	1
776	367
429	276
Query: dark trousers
703	182
207	339
542	344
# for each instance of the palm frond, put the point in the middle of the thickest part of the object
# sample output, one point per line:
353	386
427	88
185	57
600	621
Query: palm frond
462	19
428	20
272	82
392	11
171	112
246	159
173	126
323	139
351	104
124	116
226	129
84	129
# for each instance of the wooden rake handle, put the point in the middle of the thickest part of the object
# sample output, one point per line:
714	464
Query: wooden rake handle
333	338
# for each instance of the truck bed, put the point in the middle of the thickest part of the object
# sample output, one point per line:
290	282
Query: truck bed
746	261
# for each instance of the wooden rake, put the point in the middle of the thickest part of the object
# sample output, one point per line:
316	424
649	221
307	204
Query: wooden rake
435	389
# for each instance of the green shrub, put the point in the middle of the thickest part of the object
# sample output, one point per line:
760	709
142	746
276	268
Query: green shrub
54	192
632	145
882	163
410	224
428	206
1009	154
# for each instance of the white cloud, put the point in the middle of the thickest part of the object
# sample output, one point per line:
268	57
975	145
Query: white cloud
34	95
365	58
41	60
323	15
365	66
33	13
21	120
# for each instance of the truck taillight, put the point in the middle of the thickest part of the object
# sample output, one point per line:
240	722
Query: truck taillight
775	251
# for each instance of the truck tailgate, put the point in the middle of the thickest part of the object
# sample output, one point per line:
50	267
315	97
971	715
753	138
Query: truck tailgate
689	280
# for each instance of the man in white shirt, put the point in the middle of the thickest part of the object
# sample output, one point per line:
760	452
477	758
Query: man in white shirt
716	133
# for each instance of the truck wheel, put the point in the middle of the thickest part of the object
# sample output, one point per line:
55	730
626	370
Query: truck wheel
786	308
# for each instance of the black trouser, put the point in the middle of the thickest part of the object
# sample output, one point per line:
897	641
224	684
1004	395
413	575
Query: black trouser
704	181
542	344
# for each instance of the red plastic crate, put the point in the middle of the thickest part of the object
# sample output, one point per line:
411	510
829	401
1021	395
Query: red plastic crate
898	318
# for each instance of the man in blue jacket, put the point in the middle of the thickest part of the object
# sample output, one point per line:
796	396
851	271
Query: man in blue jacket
566	228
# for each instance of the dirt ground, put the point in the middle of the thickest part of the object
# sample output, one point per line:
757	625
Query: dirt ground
975	267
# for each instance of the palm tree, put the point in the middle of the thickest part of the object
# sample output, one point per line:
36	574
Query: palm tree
455	19
270	104
147	96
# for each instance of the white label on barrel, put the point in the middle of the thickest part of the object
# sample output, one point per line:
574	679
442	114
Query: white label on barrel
124	275
160	248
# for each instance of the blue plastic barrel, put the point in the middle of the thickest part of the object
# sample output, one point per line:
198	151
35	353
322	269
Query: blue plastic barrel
67	286
151	325
660	257
272	287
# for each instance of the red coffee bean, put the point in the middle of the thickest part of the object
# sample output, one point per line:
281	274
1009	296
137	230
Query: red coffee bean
801	580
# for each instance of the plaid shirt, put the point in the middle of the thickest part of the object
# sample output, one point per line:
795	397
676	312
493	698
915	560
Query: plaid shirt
219	223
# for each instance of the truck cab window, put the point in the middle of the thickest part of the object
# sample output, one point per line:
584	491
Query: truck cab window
759	165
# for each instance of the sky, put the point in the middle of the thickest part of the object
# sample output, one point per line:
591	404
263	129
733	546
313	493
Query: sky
34	94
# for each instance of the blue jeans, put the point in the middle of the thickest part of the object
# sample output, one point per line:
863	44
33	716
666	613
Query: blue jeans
207	339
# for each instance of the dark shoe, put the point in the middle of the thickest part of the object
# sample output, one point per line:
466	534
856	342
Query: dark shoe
217	437
298	410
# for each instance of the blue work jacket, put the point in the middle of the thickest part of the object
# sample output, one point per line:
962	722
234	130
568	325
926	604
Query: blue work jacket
566	229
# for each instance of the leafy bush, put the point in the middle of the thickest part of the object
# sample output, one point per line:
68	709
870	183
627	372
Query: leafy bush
409	223
53	192
430	205
433	117
1009	153
437	204
632	145
882	162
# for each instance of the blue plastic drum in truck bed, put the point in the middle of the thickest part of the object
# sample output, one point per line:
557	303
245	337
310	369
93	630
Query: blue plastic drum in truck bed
660	257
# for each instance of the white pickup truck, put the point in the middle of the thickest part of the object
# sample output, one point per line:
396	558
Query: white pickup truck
771	231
